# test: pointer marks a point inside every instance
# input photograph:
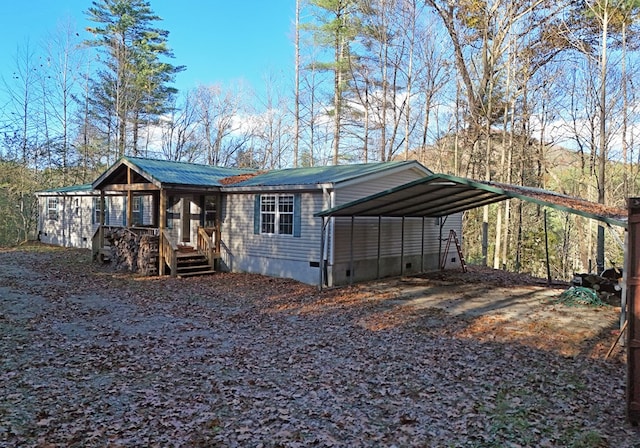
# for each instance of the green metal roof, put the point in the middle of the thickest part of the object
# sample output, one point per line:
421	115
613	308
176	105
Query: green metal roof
442	195
69	189
166	172
182	173
319	174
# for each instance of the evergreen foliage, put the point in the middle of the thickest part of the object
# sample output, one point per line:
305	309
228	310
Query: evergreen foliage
133	88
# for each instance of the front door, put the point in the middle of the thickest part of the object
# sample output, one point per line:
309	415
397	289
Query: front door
186	219
209	208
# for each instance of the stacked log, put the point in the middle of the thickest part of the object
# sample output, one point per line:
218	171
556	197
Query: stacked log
132	252
124	249
609	290
148	255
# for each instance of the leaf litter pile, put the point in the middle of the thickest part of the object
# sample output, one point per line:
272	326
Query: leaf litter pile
92	357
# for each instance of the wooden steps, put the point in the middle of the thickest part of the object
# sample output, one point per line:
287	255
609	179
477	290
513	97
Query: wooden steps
192	263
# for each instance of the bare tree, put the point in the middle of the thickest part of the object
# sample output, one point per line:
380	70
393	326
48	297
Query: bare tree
65	63
179	130
217	112
23	108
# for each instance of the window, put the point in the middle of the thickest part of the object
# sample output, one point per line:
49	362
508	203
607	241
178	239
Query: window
171	215
137	202
209	211
277	214
285	215
136	211
268	214
97	211
52	208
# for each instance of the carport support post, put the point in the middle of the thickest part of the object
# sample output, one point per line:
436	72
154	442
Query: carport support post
441	225
546	248
422	248
625	278
322	246
633	313
379	241
351	253
402	249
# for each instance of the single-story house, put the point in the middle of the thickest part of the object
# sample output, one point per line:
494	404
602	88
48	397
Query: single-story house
265	222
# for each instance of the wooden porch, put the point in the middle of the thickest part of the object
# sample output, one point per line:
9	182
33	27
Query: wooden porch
180	226
162	255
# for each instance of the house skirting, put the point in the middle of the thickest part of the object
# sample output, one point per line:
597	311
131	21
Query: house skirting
372	269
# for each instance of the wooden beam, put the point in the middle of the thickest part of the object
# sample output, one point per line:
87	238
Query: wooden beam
161	225
132	187
129	199
101	228
217	233
633	313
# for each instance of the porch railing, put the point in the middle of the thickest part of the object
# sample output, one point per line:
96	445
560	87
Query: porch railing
97	243
207	245
168	252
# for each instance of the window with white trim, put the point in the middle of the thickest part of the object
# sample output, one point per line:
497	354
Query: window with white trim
136	211
276	214
52	208
97	210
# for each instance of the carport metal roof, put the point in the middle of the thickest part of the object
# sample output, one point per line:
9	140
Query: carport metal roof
442	194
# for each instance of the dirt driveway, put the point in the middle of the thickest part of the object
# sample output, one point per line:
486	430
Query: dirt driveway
96	358
510	307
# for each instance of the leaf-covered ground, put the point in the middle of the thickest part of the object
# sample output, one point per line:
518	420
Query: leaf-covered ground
96	358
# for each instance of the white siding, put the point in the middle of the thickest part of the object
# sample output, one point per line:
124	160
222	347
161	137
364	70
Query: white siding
77	220
377	184
365	243
378	248
279	255
299	257
73	226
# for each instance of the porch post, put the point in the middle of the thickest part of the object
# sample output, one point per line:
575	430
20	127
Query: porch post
218	232
101	230
129	199
161	224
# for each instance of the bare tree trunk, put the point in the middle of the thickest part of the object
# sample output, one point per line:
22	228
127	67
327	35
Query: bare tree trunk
407	123
296	126
603	137
337	98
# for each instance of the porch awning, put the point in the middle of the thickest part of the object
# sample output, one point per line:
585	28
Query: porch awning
441	195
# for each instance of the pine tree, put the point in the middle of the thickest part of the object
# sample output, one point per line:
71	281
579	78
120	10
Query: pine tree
335	30
134	81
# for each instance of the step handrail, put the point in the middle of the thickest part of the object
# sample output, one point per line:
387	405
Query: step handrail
168	252
206	246
96	243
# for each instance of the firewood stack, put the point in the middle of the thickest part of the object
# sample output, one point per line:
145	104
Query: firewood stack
148	255
606	286
133	252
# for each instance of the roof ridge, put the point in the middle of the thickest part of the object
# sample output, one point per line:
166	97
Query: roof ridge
133	158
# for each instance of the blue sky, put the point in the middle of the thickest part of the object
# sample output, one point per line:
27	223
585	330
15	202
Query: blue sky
217	40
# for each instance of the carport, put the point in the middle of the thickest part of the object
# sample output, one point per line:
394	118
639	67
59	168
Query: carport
440	195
